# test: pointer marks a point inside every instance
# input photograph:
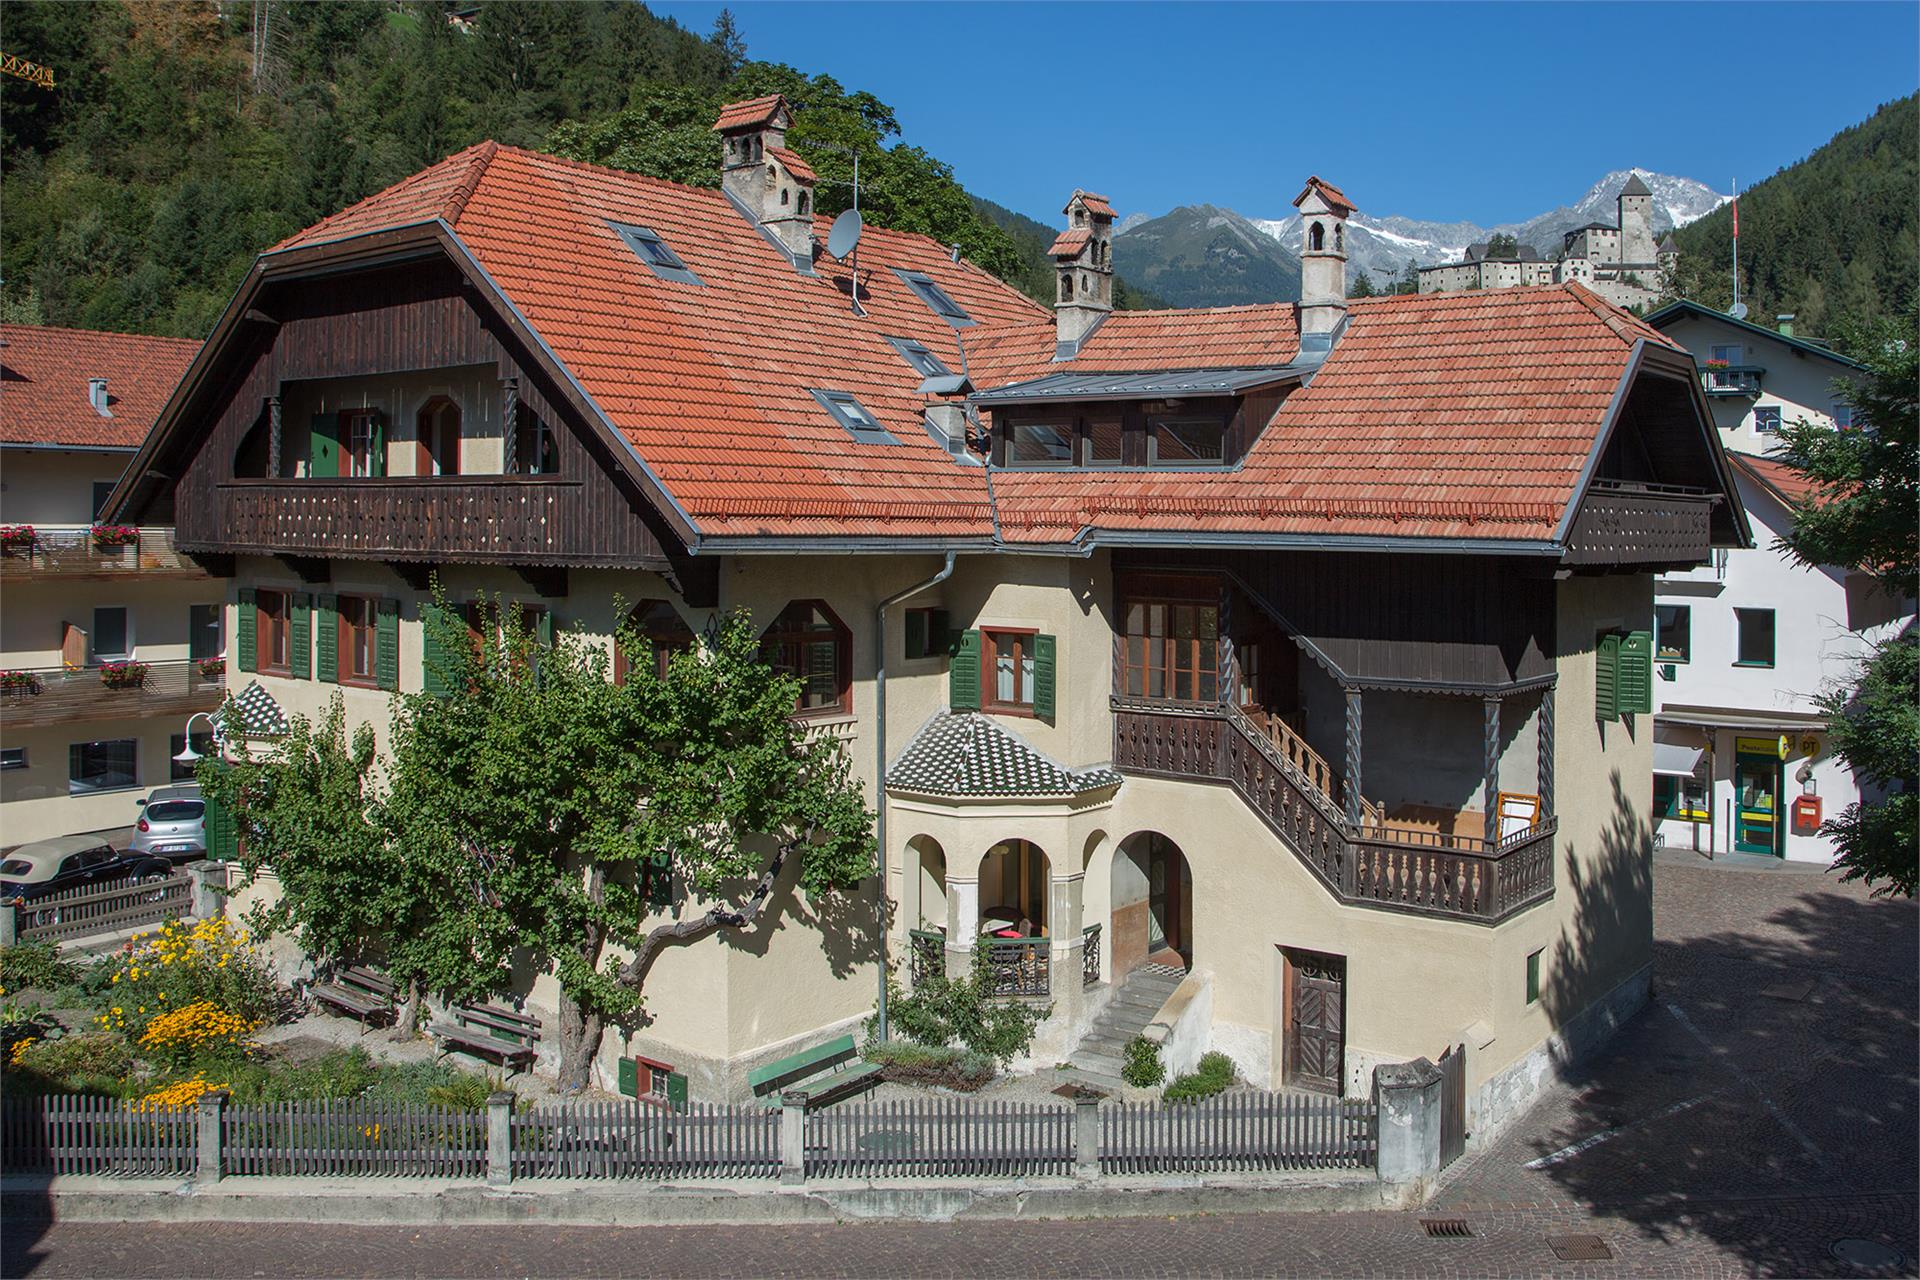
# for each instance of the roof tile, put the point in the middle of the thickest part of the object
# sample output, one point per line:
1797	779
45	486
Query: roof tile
43	384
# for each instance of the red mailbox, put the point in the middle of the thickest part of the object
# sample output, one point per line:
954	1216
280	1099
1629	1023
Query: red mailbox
1806	815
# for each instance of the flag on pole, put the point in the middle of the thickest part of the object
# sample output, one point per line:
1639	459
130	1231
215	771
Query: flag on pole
1736	211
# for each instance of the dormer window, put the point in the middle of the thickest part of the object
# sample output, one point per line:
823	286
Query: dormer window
916	354
656	253
852	415
936	298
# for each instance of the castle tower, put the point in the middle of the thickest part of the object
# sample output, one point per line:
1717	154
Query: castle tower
768	183
1636	222
1083	268
1324	211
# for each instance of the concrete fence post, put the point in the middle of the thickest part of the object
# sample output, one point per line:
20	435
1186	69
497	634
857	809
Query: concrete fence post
500	1138
208	1119
206	897
1407	1096
1086	1137
793	1139
9	924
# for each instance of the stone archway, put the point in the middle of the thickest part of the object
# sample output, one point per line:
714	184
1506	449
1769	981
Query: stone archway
927	868
1150	904
1015	887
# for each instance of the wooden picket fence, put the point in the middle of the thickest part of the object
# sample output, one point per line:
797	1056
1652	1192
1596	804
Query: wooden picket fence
125	904
628	1139
357	1137
939	1137
94	1135
1241	1130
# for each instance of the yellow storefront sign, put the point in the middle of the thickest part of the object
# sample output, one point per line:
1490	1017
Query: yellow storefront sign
1776	747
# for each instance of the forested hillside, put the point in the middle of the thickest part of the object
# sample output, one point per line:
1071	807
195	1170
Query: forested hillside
1833	238
181	140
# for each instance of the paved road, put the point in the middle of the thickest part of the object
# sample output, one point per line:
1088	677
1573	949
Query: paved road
1762	1109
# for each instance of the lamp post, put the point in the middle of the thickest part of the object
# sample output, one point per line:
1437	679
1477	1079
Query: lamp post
187	755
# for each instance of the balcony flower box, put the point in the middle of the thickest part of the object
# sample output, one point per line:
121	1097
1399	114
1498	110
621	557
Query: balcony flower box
115	535
1719	364
17	538
212	668
123	675
19	682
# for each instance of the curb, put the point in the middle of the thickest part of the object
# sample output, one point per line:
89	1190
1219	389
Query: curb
440	1202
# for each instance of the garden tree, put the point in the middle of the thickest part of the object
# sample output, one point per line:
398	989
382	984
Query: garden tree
1865	515
577	802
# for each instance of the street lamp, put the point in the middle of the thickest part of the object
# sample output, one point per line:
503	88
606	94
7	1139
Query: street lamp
187	755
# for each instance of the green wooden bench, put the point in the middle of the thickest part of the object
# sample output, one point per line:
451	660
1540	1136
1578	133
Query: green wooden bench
357	990
490	1031
823	1075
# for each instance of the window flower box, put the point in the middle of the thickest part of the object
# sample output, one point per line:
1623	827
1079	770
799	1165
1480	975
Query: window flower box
17	537
22	682
123	675
213	668
115	535
1719	364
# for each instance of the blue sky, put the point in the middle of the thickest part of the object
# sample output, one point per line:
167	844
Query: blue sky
1483	112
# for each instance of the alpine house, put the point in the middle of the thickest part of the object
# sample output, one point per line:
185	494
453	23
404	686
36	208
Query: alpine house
1302	651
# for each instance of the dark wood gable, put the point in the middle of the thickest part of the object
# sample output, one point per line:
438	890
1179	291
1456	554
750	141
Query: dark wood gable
1660	496
206	472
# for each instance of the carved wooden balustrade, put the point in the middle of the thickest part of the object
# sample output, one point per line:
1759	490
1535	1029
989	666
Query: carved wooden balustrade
1458	877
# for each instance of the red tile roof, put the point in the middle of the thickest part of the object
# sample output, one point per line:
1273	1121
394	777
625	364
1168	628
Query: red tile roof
1138	341
1328	192
1096	205
1789	484
1070	243
43	384
754	111
800	169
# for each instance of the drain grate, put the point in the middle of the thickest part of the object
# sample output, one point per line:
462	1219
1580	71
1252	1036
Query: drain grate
1446	1228
1868	1255
1579	1248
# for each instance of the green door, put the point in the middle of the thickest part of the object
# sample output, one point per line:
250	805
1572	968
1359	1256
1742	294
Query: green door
1756	804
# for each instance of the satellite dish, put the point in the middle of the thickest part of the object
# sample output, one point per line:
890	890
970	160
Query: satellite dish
1739	311
845	234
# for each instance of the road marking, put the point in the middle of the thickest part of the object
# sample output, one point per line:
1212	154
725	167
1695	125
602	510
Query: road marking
1593	1140
1740	1074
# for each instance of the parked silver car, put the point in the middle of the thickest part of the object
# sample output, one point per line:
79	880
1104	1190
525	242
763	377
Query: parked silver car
172	825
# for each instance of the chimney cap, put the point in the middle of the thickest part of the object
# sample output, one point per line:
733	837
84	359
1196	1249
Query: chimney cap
1331	195
753	113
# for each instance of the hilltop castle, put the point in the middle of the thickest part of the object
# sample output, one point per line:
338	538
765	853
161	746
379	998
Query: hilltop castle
1621	262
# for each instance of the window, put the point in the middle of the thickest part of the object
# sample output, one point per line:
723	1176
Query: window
362	443
658	256
1682	799
926	633
534	451
1171	650
177	772
359	647
112	634
1186	442
13	758
1755	644
1724	355
1007	674
1103	441
102	490
272	632
936	298
1673	632
924	362
661	631
1766	419
103	766
439	438
852	415
808	641
203	631
1842	415
1040	444
1533	978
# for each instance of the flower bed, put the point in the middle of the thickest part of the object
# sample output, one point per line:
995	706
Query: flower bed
903	1062
123	675
115	535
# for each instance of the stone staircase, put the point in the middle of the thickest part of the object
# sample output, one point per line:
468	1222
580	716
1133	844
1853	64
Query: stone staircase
1098	1058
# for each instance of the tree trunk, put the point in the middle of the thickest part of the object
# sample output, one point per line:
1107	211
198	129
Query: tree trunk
407	1021
579	1044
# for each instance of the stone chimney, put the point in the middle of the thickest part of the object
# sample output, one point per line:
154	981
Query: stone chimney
1324	211
770	185
98	398
1083	265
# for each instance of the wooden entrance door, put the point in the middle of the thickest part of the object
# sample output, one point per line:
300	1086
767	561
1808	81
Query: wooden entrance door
1316	1003
1169	901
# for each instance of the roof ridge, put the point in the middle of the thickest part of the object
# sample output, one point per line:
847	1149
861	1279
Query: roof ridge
103	333
477	167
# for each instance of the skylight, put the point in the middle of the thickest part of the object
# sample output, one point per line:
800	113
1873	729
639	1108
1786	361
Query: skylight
936	298
656	254
852	415
924	362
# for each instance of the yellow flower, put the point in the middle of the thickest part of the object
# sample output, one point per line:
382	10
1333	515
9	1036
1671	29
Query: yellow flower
116	977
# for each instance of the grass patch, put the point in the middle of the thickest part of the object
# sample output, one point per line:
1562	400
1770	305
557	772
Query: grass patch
905	1062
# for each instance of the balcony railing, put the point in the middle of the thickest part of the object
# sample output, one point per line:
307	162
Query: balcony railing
1019	966
72	551
1457	877
62	694
1733	380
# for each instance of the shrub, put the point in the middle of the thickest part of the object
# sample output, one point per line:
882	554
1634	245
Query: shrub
36	964
1142	1068
1215	1075
182	964
194	1031
940	1011
904	1062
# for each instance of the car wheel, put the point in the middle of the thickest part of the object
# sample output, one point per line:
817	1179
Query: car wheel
158	881
45	918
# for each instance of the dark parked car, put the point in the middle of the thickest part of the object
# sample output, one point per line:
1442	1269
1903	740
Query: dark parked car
39	870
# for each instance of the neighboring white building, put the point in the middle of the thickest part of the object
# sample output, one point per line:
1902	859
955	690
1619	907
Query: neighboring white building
1744	646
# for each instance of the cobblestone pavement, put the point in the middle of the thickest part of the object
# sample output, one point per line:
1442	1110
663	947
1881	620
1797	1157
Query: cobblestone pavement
1760	1110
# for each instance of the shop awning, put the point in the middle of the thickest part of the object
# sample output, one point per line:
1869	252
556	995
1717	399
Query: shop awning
1726	718
1675	761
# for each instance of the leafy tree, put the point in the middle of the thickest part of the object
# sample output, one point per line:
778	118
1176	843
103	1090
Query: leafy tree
1875	728
1502	245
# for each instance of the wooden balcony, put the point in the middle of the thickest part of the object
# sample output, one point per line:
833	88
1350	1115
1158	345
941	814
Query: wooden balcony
1423	873
62	695
1656	525
69	553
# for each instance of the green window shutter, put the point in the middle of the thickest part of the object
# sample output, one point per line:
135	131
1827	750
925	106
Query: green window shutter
629	1083
676	1091
327	659
1043	667
1606	675
379	458
543	629
433	652
323	445
386	659
245	633
963	673
223	835
300	637
916	637
1633	688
